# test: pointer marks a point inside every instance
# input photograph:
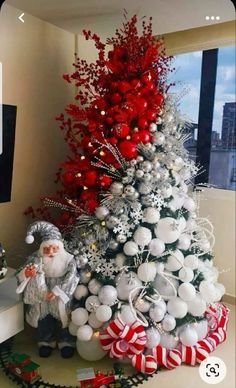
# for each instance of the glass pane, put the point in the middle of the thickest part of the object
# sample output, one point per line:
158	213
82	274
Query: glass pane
222	172
187	78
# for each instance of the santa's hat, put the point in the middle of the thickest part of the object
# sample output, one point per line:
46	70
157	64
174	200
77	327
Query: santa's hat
47	230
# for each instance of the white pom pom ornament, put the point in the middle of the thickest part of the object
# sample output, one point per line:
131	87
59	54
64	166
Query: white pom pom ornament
127	315
186	274
151	215
84	333
156	313
153	338
104	313
126	283
93	321
175	261
108	295
147	272
81	291
156	247
168	229
177	307
142	236
92	303
197	306
73	328
79	316
187	292
188	336
94	286
168	322
130	248
191	261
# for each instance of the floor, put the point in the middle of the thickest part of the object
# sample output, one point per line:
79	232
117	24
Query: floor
59	371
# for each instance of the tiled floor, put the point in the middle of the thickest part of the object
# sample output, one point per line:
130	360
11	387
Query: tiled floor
59	371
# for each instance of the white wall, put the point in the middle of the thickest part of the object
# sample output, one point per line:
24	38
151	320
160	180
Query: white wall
34	54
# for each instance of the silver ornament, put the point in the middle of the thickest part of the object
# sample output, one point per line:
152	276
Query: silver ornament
147	177
140	159
121	238
111	222
153	127
139	174
101	212
146	166
113	245
144	188
117	188
159	138
129	190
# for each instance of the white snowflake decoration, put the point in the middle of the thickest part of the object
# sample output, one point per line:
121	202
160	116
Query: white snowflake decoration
136	214
156	200
107	268
123	227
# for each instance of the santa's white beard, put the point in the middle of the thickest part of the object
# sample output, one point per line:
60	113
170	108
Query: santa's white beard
55	266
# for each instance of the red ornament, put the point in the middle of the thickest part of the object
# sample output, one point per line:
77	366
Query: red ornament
158	99
128	149
141	104
116	98
90	178
151	114
142	123
135	137
121	130
124	86
68	178
144	136
105	180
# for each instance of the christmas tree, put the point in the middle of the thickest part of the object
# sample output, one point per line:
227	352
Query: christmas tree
148	289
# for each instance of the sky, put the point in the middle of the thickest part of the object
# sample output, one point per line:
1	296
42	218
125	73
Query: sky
187	78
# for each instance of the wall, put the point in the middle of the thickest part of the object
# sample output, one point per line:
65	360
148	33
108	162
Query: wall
34	54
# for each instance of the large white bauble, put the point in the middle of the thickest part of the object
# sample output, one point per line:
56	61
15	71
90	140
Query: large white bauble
176	203
126	283
108	295
208	291
104	313
84	333
120	260
156	313
130	248
153	338
91	350
142	236
93	321
165	231
177	307
189	204
175	261
184	242
164	287
79	316
142	305
156	247
127	315
81	291
220	291
188	336
147	272
101	212
73	328
166	191
201	329
160	267
186	274
92	303
94	286
178	163
197	306
187	292
191	261
162	304
151	215
168	322
168	341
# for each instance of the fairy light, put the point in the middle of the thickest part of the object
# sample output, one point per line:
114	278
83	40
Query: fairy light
78	175
103	113
90	144
82	157
128	137
101	153
85	188
103	223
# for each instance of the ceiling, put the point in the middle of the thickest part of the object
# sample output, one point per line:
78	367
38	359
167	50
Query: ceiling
103	16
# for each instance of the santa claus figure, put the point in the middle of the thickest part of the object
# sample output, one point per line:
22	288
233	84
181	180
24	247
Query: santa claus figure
48	281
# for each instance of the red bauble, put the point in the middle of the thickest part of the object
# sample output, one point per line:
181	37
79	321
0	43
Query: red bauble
151	114
92	126
158	99
142	123
135	83
90	178
146	78
116	98
113	140
91	205
105	180
128	149
135	137
144	136
121	130
109	120
124	86
141	104
68	178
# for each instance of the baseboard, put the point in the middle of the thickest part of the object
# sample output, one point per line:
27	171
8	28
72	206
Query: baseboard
231	299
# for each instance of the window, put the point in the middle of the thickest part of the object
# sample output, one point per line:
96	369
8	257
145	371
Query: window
210	77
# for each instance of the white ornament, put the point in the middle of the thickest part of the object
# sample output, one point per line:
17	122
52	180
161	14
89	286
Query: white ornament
164	287
168	323
127	315
101	212
92	303
108	295
166	191
142	305
93	321
94	286
188	336
72	328
130	248
156	247
168	341
142	236
120	260
117	188
79	316
153	127
176	203
144	188
84	333
85	276
186	274
147	272
151	215
168	230
160	267
178	163
176	177
104	313
175	261
91	350
126	283
158	138
201	329
177	307
184	242
191	261
81	291
156	313
153	338
189	204
208	291
197	306
187	292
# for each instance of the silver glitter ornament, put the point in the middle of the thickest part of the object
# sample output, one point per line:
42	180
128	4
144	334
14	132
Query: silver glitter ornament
117	188
101	212
144	188
153	127
133	162
140	159
111	222
159	138
146	166
113	245
129	191
139	173
121	238
147	177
